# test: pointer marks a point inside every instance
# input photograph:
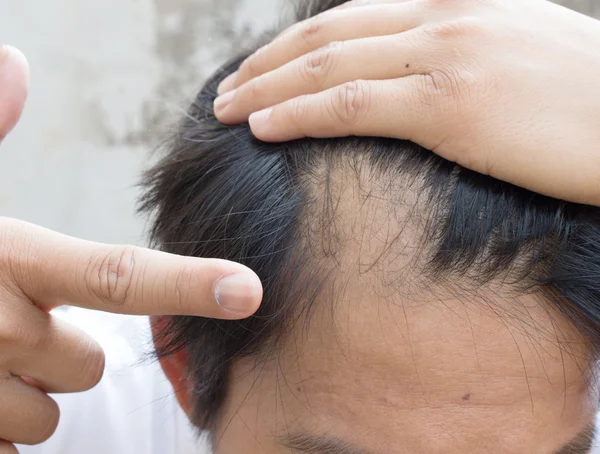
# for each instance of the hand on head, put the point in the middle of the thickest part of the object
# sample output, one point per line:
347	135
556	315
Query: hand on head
40	270
485	84
384	264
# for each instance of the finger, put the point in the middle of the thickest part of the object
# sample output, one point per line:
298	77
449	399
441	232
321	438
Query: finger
362	3
378	58
7	448
331	26
28	415
14	82
53	269
344	6
53	355
393	108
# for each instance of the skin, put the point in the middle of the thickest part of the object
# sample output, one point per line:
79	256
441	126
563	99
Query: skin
477	103
41	270
484	83
388	383
404	366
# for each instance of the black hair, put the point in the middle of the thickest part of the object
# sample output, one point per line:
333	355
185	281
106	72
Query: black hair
219	192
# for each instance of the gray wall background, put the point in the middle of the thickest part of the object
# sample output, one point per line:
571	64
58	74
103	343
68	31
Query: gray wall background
108	78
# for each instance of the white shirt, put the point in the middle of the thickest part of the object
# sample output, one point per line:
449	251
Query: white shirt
133	409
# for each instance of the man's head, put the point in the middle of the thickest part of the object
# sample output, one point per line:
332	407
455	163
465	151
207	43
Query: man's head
410	305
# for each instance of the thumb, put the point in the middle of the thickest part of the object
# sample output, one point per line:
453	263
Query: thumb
14	85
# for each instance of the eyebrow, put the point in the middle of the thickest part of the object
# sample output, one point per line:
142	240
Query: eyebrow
319	444
582	443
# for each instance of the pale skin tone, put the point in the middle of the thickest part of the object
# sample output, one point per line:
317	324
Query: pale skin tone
40	270
484	83
461	102
408	367
429	378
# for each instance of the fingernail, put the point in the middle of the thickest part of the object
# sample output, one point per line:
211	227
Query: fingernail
227	84
223	101
260	119
238	293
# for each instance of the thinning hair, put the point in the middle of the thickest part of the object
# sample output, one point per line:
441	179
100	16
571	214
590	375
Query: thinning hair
219	192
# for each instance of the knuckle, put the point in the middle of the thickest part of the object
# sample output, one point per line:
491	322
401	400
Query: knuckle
353	99
255	89
300	109
111	276
468	27
427	97
443	82
183	285
422	89
251	66
451	82
311	30
319	63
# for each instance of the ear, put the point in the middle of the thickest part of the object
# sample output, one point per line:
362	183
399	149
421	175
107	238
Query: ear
175	366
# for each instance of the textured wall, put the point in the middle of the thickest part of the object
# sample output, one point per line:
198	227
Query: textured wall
589	7
107	77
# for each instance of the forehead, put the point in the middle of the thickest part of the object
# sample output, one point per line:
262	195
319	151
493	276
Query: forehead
398	376
392	363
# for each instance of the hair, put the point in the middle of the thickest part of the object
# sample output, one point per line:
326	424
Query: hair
219	192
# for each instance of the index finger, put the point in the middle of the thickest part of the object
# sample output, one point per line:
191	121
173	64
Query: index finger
351	20
53	269
14	82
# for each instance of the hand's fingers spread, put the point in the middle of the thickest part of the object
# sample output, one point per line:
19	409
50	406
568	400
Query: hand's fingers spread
126	279
7	448
326	28
392	108
310	34
28	415
58	356
377	58
14	81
